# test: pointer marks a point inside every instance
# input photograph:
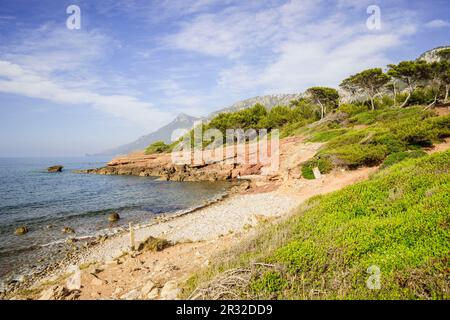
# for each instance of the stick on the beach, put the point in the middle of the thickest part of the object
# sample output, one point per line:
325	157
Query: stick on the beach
132	244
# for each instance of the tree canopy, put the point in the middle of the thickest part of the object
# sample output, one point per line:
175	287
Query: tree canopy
326	98
368	82
411	73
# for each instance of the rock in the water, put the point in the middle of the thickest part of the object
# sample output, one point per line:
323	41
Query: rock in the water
55	169
68	230
21	230
71	240
113	217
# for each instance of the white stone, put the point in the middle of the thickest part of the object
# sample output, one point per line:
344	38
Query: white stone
147	288
170	291
132	295
154	294
317	173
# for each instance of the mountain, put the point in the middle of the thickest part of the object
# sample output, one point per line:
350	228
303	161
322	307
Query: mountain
268	101
182	121
431	55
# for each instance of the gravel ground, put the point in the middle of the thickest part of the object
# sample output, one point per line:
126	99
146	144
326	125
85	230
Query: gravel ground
229	215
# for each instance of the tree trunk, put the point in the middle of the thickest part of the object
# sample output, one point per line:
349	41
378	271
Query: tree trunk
406	100
372	105
447	87
395	95
433	103
322	109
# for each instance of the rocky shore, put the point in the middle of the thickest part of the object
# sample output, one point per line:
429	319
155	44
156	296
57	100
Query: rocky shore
211	168
254	199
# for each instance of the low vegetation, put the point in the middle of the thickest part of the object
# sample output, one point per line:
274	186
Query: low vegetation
154	244
370	137
396	223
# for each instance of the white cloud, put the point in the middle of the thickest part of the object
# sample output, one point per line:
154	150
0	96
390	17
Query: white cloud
17	80
292	46
233	31
61	66
434	24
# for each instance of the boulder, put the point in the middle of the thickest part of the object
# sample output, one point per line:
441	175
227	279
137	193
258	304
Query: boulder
170	291
132	295
147	288
55	169
68	230
21	230
59	293
113	217
154	294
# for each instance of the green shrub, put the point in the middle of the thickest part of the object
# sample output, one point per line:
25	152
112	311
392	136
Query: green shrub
324	165
353	108
400	156
421	96
157	147
357	155
270	282
385	132
323	136
398	221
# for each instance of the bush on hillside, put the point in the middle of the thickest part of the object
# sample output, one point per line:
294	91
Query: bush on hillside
324	165
396	221
400	156
353	108
157	147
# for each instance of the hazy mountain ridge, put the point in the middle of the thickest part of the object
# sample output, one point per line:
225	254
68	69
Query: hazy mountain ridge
184	121
269	101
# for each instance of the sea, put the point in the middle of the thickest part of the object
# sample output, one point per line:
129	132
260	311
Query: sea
48	202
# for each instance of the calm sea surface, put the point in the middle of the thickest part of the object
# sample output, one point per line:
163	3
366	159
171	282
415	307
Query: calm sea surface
47	202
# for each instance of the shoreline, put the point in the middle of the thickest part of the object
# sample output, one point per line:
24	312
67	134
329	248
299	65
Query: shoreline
81	246
110	270
215	225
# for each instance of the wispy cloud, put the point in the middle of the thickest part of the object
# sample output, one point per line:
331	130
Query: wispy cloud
17	80
59	65
292	45
437	23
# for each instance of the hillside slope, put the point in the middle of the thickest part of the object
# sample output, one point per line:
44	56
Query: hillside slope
395	225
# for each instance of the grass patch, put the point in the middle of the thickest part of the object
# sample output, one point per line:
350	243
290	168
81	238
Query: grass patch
398	221
324	165
385	132
400	156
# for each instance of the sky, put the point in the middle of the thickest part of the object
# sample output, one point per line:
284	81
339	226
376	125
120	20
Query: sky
132	66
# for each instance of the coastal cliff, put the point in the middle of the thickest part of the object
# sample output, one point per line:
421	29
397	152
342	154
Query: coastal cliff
162	166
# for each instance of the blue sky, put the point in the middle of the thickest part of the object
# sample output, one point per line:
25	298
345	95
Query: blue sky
134	65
